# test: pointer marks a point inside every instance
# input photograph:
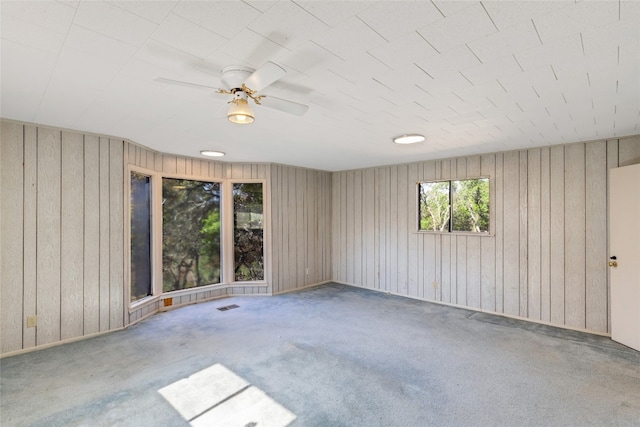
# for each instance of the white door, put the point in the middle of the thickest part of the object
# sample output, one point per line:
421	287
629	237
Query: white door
624	252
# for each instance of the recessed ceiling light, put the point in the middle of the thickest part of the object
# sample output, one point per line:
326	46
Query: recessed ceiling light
212	153
408	139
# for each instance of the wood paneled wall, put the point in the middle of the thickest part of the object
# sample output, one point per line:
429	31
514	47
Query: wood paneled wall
62	233
62	228
546	257
301	227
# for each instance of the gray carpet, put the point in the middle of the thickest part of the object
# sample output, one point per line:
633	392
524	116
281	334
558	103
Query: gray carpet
333	356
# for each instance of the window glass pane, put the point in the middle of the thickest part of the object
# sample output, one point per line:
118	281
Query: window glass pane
190	233
470	205
140	236
433	206
248	226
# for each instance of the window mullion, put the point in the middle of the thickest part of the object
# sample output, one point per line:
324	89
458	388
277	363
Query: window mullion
227	232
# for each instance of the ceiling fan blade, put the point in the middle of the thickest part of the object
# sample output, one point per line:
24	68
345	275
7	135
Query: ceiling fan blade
264	76
284	105
181	83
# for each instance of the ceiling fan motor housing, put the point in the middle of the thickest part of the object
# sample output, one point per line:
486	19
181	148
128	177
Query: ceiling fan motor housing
234	76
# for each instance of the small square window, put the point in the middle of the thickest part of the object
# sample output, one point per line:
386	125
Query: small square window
454	206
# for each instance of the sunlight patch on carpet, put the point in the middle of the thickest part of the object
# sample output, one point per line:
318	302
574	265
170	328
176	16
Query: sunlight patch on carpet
216	396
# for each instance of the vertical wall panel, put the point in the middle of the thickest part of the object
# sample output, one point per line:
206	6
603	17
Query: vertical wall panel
524	284
311	231
511	241
545	236
596	233
169	163
292	275
369	230
11	226
336	208
30	255
343	254
402	231
328	257
410	227
557	230
349	226
283	198
299	175
383	197
72	236
276	228
116	239
629	151
392	221
48	266
499	231
91	263
533	233
460	260
105	234
575	235
357	224
488	245
181	165
473	273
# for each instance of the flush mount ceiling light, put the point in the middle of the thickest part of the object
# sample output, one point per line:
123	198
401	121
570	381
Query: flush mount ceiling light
408	139
212	153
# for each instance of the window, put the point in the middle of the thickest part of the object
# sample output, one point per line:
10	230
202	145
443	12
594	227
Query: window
140	236
191	245
454	206
248	232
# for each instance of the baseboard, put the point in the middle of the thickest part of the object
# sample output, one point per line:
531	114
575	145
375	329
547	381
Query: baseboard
509	316
313	285
58	343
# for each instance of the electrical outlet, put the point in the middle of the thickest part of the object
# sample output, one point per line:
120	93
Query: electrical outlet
435	284
307	271
32	321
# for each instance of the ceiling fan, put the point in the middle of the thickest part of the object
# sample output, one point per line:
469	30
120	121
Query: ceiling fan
244	83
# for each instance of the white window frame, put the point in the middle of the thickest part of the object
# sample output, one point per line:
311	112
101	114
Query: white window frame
487	233
153	236
229	261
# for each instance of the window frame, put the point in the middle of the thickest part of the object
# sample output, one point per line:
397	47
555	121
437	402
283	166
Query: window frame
160	237
153	180
450	231
227	255
227	238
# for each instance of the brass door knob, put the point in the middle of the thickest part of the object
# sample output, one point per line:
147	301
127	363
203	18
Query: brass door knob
613	263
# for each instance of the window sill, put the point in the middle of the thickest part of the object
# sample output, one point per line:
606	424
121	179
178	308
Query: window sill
189	291
453	233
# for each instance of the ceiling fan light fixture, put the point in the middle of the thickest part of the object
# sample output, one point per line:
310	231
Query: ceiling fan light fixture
212	153
240	112
408	139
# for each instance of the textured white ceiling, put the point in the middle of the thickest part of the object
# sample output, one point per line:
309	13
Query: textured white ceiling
472	76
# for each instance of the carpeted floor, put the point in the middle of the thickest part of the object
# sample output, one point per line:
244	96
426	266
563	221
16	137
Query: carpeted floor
327	356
